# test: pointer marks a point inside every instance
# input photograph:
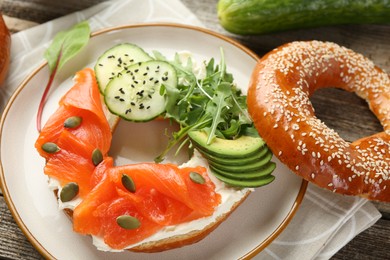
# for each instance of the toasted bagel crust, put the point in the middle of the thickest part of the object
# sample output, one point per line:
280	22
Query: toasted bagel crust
278	101
5	46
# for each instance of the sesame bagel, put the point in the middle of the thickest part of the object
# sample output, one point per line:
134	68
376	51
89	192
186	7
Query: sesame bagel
5	45
278	101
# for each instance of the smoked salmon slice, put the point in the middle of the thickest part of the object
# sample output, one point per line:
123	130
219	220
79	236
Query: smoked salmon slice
164	196
82	100
72	163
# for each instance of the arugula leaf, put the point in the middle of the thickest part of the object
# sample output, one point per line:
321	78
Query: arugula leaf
212	103
65	45
223	91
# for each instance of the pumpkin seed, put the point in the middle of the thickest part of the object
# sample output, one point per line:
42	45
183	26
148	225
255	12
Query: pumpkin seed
128	183
69	191
50	147
97	156
128	222
197	178
72	122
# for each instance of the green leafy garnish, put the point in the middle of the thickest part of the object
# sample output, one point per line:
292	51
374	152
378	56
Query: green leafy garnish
212	103
65	45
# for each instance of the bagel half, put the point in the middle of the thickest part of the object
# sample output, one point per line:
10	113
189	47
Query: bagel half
279	104
170	237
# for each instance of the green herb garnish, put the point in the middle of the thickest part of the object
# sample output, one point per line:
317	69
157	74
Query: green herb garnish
65	45
213	103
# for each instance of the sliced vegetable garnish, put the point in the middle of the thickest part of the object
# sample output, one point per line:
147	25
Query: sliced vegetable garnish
136	93
212	103
118	58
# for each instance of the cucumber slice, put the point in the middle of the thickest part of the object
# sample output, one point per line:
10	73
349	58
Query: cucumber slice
135	94
117	59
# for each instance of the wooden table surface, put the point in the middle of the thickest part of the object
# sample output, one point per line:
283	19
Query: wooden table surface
344	112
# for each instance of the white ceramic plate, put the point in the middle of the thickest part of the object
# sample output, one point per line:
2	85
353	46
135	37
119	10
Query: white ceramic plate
246	232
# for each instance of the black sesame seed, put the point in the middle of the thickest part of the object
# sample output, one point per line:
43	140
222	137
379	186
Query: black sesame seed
132	86
151	78
101	65
132	60
150	96
156	82
147	107
126	54
136	70
143	82
147	68
145	73
121	100
128	111
117	97
132	103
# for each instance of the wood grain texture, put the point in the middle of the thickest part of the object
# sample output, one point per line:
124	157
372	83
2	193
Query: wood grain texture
365	245
13	243
342	111
41	11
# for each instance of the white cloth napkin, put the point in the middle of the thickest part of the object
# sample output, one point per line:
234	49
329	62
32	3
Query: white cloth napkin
324	223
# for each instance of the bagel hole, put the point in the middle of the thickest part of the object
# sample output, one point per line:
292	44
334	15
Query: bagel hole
143	142
346	113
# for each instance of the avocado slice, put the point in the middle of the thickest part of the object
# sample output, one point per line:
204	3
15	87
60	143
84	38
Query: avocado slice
246	183
236	161
260	163
241	147
250	175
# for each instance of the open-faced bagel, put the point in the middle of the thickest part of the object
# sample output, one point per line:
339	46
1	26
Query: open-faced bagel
278	101
70	163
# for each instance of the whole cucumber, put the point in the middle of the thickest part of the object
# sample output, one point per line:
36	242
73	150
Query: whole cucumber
265	16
